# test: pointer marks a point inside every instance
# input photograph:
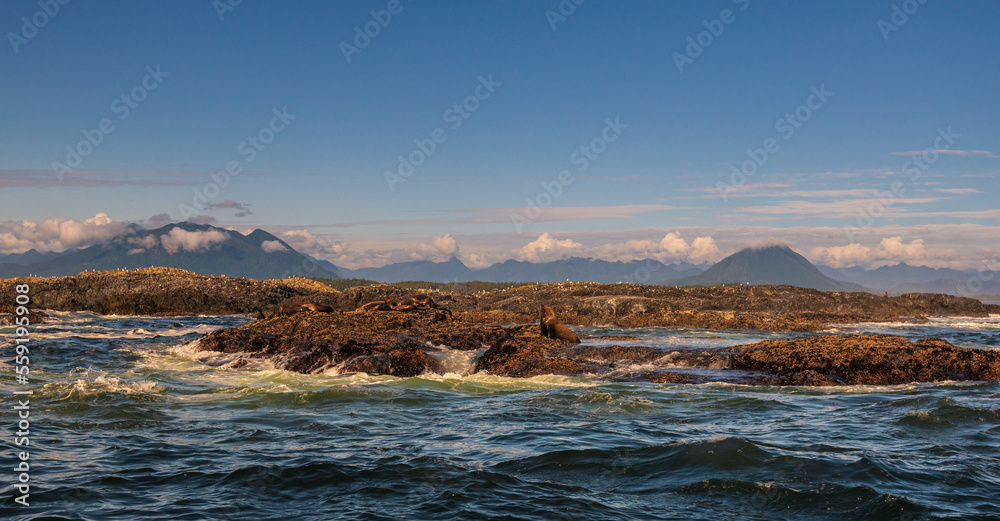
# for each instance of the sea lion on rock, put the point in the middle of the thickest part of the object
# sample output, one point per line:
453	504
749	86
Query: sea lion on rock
409	303
375	305
290	309
549	327
403	305
420	299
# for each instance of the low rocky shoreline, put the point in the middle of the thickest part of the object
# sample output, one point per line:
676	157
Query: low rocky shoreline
404	344
407	343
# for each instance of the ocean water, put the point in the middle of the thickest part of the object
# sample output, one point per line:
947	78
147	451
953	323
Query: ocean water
128	421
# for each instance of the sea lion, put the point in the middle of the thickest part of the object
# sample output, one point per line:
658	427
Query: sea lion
404	305
290	309
549	327
407	304
375	305
421	299
418	300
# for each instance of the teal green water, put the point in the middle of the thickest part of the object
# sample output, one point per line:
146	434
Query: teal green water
129	423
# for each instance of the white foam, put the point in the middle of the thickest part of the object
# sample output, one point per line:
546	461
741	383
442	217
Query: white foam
67	330
68	316
217	359
481	379
98	382
454	361
958	322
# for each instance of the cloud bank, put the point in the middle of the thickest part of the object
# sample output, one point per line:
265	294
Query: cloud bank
891	250
59	233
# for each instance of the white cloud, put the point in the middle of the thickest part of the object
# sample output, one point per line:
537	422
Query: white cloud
148	241
674	245
894	248
58	233
626	251
272	246
671	248
547	248
476	261
142	244
703	250
180	239
441	248
852	254
891	250
305	242
446	243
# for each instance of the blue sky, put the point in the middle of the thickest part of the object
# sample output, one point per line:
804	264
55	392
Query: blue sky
861	173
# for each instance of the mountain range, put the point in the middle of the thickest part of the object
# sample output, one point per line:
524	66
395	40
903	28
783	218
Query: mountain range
210	250
886	277
575	269
903	278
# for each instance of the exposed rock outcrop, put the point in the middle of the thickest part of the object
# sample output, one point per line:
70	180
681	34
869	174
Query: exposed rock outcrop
864	360
157	291
398	343
392	342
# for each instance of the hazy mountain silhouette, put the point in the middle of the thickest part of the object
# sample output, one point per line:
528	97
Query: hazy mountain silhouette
452	270
579	269
575	269
891	276
31	256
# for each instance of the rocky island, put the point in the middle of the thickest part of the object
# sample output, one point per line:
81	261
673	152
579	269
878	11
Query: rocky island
387	329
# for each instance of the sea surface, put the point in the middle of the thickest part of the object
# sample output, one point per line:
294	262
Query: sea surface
129	421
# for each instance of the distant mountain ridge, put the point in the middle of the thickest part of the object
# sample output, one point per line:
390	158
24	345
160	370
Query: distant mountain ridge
31	256
578	269
768	265
452	270
574	269
202	249
903	278
886	277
